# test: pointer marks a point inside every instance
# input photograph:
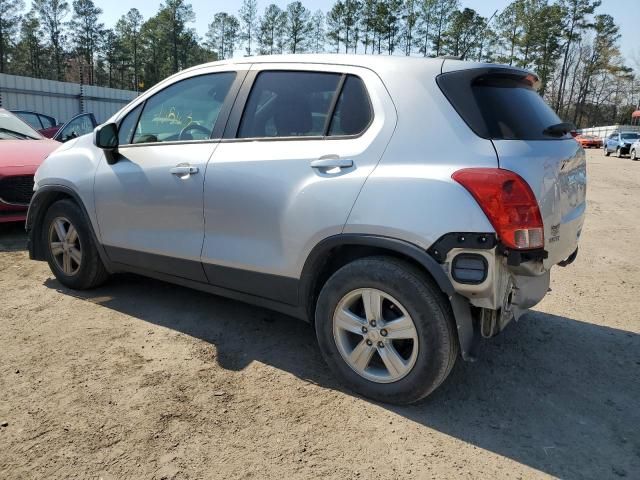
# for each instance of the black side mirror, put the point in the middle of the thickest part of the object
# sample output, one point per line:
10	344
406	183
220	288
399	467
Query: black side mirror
106	137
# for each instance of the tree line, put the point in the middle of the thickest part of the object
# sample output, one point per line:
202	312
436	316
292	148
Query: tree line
571	44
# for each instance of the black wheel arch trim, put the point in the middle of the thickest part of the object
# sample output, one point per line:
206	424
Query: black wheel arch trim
467	335
319	252
35	216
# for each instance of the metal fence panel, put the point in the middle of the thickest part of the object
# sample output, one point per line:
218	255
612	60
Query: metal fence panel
61	100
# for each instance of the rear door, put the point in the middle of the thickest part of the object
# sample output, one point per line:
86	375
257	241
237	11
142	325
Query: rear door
299	145
502	104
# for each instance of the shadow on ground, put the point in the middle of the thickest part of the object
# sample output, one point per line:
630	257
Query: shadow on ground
12	237
556	394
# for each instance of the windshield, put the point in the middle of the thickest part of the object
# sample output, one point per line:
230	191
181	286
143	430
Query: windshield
630	136
12	128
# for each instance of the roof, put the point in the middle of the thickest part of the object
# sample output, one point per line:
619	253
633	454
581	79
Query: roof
369	61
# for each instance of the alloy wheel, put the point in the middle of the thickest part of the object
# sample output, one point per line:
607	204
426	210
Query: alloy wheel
375	335
65	246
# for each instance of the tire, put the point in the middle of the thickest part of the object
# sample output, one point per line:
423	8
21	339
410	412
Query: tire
619	152
633	155
436	343
63	256
606	152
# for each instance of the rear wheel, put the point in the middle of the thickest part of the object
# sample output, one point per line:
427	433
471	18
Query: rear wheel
386	330
619	152
606	151
71	252
633	154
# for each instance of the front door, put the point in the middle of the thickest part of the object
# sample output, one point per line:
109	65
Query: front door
289	171
149	204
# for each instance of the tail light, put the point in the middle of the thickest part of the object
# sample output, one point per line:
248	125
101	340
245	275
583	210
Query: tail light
509	204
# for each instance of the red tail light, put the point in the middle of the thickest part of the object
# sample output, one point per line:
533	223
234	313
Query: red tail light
510	205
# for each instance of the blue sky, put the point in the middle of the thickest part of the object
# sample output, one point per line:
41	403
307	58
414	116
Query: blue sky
625	12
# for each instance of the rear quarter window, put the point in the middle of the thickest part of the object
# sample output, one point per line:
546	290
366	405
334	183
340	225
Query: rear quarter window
499	106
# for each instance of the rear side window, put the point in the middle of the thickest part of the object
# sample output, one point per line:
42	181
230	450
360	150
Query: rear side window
47	122
288	104
499	106
305	104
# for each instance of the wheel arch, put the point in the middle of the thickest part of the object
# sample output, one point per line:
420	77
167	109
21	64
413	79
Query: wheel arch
44	197
336	251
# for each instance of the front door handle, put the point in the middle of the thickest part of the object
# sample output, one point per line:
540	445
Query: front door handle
184	170
332	161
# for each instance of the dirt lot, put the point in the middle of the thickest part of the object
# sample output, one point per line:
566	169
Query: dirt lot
141	379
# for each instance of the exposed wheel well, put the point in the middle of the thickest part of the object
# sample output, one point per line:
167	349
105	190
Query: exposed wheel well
337	257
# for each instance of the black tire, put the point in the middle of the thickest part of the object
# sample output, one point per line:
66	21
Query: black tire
91	271
606	152
425	303
633	155
619	152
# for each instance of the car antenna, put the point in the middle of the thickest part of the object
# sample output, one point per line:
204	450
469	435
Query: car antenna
464	54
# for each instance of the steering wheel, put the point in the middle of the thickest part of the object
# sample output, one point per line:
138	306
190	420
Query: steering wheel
194	126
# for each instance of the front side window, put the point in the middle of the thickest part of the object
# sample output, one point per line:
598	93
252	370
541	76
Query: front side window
288	104
186	110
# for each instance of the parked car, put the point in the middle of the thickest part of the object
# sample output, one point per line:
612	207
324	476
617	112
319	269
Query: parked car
330	188
620	143
22	150
49	127
634	150
589	141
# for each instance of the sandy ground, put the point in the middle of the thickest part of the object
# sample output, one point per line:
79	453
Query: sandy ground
141	379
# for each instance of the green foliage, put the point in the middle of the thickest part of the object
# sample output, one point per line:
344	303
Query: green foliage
571	46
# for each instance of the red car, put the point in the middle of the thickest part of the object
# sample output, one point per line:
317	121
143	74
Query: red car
589	141
22	150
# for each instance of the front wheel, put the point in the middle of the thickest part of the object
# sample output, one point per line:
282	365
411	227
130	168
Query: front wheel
619	152
633	154
71	252
606	151
386	330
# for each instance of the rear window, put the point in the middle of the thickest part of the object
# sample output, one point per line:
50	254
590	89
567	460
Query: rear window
499	106
630	136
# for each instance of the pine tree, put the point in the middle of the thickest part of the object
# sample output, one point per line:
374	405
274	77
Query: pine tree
52	14
9	25
223	34
86	33
298	27
248	23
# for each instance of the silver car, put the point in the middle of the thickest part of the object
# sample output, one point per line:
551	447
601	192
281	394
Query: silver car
406	207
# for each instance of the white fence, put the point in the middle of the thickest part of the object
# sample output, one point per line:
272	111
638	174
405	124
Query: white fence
61	100
603	132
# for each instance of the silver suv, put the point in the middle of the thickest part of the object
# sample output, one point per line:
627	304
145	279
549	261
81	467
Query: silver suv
406	207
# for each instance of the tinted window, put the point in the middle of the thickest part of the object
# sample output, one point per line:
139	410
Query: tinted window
630	136
47	122
125	131
353	110
30	118
499	106
288	104
186	110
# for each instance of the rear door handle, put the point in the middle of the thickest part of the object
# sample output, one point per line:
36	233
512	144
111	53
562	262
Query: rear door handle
332	161
184	170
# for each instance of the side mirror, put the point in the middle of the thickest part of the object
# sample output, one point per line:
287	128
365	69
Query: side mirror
105	137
